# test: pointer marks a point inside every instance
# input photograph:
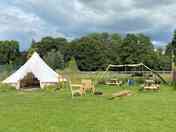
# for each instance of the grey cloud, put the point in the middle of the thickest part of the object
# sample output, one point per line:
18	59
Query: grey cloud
16	24
152	3
29	19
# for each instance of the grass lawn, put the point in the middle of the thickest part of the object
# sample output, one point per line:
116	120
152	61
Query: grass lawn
56	112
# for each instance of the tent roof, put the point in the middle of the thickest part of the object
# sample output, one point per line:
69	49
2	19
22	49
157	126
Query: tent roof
36	66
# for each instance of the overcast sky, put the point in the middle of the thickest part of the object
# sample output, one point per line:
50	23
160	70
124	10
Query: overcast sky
23	20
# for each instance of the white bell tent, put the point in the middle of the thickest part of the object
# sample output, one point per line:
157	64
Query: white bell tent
40	70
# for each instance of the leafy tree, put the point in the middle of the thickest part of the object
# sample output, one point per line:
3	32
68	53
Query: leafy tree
111	43
136	48
160	61
96	50
173	51
9	51
20	60
90	54
169	49
114	48
173	43
54	59
47	44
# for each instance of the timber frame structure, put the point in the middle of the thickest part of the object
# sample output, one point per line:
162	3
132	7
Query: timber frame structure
135	65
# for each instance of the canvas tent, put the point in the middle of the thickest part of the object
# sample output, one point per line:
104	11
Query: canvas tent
38	68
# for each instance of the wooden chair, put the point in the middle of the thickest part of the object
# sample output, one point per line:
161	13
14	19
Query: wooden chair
87	85
79	89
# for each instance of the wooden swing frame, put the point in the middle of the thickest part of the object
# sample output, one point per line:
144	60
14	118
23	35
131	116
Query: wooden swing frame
133	65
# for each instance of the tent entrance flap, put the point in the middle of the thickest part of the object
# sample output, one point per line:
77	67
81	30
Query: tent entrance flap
29	81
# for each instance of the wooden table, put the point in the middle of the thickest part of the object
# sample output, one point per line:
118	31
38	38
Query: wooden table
114	82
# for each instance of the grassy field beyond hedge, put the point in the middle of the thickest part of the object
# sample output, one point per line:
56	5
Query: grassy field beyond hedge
57	112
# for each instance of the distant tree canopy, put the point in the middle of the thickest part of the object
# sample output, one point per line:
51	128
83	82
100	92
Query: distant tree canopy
171	47
94	51
9	51
171	50
136	48
54	59
47	44
90	54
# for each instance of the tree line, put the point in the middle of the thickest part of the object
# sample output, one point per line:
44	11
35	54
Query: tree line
91	52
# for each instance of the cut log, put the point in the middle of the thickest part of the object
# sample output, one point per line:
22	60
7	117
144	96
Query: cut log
121	94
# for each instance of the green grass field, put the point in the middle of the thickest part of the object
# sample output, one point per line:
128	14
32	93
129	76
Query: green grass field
57	112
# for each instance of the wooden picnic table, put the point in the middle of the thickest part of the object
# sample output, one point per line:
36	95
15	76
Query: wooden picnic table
114	82
150	85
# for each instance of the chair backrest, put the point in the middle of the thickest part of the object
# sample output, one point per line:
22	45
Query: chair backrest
74	86
86	83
